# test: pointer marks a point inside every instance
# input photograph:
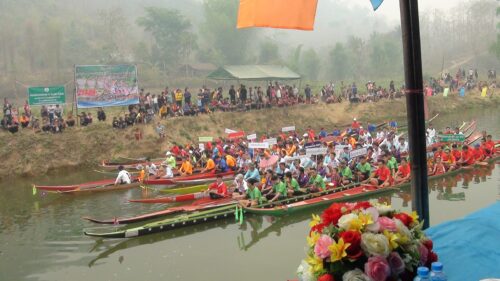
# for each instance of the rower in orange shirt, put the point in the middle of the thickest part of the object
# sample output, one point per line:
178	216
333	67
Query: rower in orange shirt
438	168
290	149
186	168
489	146
467	157
478	153
403	173
456	152
230	161
210	166
449	161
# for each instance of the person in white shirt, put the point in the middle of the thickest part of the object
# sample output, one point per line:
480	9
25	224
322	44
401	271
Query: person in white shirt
123	176
432	132
152	169
168	171
402	145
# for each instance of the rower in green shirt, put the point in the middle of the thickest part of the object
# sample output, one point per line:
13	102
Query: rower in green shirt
279	190
253	195
293	185
316	181
364	169
170	161
345	173
392	163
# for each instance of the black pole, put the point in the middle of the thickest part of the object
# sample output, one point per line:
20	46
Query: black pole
415	107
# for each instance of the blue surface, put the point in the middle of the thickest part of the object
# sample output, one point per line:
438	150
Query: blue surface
469	248
376	3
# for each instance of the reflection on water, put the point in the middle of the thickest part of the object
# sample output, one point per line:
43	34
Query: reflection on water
41	236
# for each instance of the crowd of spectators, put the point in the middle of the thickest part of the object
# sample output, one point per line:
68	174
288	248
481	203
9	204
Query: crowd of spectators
177	102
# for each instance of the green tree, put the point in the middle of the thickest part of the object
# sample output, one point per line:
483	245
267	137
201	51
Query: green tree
170	30
269	53
219	30
340	65
310	64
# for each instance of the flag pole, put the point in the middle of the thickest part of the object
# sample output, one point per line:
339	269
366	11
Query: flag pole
415	107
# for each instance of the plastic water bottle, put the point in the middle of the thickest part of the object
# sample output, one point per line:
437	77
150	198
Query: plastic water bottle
437	273
422	274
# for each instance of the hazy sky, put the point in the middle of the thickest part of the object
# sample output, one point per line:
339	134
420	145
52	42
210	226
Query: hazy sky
390	8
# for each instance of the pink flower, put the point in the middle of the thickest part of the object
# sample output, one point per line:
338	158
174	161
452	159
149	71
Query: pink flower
321	247
377	268
387	224
396	263
424	253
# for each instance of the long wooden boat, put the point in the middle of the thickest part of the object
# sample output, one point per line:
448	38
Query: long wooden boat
86	188
197	206
95	186
193	179
172	199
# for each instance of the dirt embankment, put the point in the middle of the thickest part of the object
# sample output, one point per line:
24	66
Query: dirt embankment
28	154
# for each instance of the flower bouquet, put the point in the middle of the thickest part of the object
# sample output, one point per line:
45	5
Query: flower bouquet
365	241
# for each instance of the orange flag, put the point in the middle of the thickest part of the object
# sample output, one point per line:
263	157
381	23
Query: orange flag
289	14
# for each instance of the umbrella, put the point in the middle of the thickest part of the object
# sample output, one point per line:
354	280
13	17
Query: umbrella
269	161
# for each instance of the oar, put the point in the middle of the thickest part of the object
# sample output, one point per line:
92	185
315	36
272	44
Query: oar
430	120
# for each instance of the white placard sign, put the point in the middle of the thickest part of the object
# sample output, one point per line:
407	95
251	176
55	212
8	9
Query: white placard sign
271	141
201	146
316	151
258	145
252	137
288	129
358	152
229	131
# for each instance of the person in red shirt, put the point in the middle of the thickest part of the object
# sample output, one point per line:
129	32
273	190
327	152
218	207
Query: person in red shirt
438	168
382	175
218	189
456	152
355	124
467	157
449	161
403	173
479	153
489	146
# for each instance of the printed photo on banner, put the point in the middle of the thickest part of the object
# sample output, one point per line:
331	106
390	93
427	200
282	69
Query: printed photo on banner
106	85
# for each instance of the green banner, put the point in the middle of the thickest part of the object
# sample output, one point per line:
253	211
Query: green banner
452	138
46	95
205	139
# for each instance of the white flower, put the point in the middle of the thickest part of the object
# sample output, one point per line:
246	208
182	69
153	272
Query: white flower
383	209
375	244
304	272
345	221
404	232
355	275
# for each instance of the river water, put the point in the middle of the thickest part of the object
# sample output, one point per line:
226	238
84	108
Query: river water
41	236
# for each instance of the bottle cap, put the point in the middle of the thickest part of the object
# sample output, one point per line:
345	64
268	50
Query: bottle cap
437	266
423	271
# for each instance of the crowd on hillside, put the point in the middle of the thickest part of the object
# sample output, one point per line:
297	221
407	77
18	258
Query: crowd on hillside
178	102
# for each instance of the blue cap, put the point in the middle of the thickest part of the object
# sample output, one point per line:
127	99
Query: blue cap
437	266
423	271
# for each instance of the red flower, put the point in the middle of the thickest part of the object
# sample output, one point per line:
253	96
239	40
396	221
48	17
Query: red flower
326	277
318	228
432	257
404	218
428	244
362	205
331	215
354	238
